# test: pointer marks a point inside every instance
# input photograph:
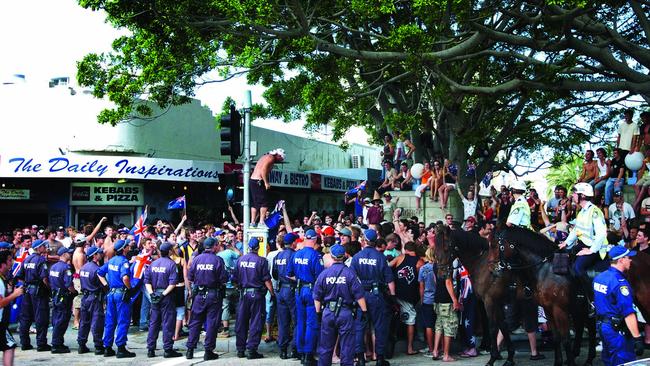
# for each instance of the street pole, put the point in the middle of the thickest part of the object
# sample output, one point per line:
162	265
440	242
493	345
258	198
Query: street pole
247	161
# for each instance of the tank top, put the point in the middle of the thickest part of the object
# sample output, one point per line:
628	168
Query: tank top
602	169
400	151
407	287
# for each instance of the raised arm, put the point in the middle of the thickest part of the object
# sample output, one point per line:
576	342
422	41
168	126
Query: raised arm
96	229
180	224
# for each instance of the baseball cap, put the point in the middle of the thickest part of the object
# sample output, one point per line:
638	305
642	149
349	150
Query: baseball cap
123	230
5	245
100	236
218	232
618	252
79	238
209	243
34	226
618	193
471	218
64	250
328	231
253	243
60	228
337	251
310	234
166	246
38	243
370	234
345	231
119	245
93	250
289	238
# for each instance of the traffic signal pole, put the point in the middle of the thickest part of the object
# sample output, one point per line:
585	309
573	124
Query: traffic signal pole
248	103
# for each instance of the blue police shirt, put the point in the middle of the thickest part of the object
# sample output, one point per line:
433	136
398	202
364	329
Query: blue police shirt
116	268
60	276
307	264
371	266
281	263
612	294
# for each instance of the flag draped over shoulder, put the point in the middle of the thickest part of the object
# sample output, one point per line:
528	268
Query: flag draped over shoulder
139	226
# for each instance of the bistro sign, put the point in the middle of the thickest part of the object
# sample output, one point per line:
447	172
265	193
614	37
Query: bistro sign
111	167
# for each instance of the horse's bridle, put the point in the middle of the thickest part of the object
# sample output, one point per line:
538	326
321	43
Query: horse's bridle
503	262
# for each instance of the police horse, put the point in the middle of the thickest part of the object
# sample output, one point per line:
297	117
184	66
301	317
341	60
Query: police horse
490	284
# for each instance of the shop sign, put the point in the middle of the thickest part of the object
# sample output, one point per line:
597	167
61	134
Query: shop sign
282	178
337	184
106	194
108	167
14	194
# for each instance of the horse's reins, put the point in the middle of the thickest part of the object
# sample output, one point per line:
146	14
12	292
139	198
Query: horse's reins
505	264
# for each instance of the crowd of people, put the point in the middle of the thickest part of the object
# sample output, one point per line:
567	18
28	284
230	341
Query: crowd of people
337	285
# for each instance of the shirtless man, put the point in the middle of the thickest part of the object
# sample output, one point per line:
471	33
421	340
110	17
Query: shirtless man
80	243
589	168
259	184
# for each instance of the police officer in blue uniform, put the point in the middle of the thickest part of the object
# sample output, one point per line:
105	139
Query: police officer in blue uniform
253	277
160	279
335	293
286	295
36	300
306	266
376	277
117	275
63	291
617	321
208	276
91	316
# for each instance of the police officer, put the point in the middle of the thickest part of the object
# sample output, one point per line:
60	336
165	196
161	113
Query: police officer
617	322
252	274
335	291
520	211
91	314
286	295
60	277
117	275
160	279
36	300
375	275
306	266
591	232
208	275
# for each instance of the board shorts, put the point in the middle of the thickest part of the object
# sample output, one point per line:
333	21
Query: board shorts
259	197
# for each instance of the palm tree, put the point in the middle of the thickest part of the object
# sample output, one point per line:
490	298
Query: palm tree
565	175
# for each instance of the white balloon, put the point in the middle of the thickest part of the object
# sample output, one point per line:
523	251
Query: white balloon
417	170
634	161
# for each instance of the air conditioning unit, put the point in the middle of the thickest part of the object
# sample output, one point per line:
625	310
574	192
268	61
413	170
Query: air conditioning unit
357	161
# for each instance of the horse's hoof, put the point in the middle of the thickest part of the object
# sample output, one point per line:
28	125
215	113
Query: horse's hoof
509	363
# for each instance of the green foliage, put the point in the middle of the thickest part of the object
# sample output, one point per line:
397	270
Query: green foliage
565	175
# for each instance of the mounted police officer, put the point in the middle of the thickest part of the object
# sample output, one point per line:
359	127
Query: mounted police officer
617	321
116	274
286	296
591	234
335	293
36	300
520	211
63	291
307	265
252	274
92	302
160	279
376	278
208	275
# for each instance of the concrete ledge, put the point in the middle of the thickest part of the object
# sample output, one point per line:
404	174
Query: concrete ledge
430	211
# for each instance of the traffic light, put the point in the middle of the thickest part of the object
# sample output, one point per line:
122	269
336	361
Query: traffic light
230	134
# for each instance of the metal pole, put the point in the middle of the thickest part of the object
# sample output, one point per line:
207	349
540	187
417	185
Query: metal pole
247	161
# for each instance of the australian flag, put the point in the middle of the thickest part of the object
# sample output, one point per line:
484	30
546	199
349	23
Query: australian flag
360	187
139	226
177	203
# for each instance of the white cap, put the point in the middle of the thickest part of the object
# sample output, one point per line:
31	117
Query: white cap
584	188
518	185
79	238
277	151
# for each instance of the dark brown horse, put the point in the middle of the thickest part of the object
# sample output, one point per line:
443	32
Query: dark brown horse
489	282
638	276
529	256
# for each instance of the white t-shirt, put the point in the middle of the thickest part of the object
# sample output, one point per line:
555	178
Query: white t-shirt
627	131
646	203
615	214
469	208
